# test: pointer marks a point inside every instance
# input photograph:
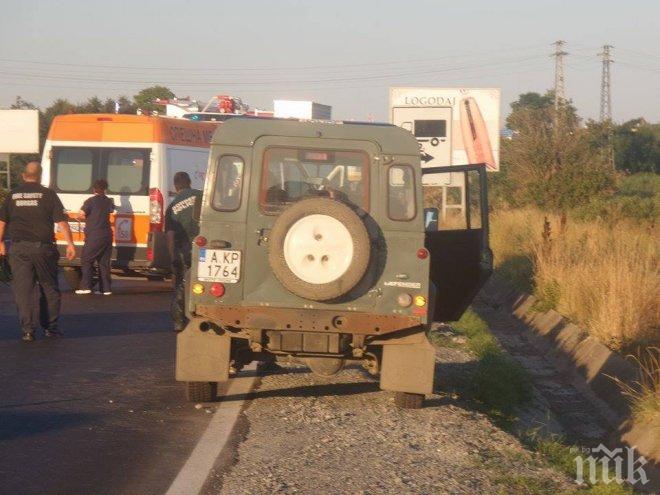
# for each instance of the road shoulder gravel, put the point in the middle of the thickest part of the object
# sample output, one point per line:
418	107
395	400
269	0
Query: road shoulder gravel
343	435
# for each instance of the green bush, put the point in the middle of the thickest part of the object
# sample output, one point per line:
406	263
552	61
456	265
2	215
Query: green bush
499	383
644	185
547	296
480	340
636	197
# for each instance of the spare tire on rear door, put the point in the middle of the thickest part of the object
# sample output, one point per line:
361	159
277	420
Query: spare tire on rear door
319	249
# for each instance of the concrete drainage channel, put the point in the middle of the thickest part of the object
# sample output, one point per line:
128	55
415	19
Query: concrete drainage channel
571	370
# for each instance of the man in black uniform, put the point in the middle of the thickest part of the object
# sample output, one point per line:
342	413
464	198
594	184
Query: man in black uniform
181	228
29	213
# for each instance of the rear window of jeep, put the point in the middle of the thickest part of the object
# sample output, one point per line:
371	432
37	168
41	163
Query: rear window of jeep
291	174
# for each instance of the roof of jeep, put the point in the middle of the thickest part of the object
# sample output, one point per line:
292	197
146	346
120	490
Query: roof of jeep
243	131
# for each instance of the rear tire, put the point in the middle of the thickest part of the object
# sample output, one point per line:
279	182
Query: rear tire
335	213
73	276
404	400
202	391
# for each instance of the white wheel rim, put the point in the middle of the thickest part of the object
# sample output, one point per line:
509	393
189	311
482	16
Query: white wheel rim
318	249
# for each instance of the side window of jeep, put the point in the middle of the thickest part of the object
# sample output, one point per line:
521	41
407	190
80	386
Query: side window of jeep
228	183
401	193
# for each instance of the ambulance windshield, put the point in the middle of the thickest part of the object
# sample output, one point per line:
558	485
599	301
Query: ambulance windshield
74	169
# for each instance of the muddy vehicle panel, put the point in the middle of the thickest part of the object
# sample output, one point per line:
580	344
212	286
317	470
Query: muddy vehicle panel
313	245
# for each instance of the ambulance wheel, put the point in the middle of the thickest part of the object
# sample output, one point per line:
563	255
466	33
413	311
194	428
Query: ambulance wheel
202	391
319	249
73	276
404	400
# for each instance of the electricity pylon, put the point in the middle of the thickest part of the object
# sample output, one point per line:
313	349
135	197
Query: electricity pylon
606	101
559	53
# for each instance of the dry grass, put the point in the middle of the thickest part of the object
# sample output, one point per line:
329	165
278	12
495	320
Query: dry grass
645	394
604	277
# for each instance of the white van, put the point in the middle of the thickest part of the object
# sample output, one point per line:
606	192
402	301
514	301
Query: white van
138	156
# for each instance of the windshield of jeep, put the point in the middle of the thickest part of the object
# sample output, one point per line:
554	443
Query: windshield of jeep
291	174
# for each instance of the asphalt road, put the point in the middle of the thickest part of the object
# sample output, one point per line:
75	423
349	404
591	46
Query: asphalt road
97	411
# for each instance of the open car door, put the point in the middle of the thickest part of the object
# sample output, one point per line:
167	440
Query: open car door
456	224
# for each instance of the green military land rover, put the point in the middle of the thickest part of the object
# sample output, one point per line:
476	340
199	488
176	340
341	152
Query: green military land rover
328	243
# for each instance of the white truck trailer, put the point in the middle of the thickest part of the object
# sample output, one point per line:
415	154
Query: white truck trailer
297	109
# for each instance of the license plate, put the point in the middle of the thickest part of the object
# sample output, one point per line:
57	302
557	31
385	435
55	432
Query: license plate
219	265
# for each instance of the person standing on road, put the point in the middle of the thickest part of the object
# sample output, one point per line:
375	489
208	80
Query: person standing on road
28	215
181	228
96	211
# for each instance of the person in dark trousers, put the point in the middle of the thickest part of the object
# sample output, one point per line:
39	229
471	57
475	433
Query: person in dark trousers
181	228
27	217
96	211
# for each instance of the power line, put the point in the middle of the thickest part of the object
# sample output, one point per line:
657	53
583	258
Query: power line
267	68
647	68
270	89
51	76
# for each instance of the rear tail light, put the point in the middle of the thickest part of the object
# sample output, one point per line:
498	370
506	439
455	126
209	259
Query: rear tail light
198	289
155	210
422	253
420	301
217	289
200	241
150	254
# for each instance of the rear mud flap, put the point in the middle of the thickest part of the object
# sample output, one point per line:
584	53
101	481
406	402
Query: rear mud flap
202	356
408	365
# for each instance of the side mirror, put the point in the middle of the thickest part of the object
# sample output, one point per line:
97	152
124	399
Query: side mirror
431	219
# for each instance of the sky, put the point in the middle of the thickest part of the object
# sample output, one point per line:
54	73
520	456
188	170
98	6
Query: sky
340	52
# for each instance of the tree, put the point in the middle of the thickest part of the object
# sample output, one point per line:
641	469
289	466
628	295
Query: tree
550	161
61	106
126	105
21	104
144	99
92	105
637	146
545	105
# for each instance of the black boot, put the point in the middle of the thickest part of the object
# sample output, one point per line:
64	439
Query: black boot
52	333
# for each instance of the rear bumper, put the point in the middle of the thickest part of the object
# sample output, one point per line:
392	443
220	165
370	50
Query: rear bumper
306	320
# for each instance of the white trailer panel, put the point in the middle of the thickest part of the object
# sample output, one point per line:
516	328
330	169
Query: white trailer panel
454	126
19	131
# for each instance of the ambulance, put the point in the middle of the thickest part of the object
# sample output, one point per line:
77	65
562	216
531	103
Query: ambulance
138	155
